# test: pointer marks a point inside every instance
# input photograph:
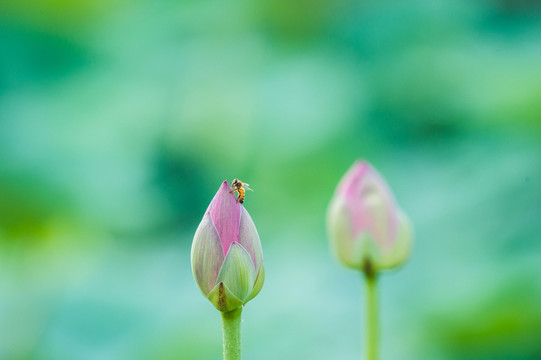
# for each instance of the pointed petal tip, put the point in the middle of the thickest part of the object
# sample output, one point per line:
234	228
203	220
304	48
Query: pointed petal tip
354	175
224	188
360	167
225	191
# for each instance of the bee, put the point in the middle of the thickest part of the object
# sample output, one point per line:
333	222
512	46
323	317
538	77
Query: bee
240	187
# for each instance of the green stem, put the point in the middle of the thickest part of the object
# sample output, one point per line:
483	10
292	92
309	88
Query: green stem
231	329
372	330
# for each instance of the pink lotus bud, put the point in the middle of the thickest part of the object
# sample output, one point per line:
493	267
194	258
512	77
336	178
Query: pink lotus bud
366	228
227	259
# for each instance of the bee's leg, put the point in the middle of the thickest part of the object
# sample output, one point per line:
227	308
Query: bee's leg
234	191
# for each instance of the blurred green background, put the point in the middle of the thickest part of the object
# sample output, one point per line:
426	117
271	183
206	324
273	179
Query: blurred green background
119	119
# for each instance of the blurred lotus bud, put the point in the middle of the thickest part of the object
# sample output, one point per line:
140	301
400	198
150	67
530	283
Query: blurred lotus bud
366	228
227	259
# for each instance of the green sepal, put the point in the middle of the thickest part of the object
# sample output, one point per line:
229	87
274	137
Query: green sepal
223	299
401	249
238	272
258	283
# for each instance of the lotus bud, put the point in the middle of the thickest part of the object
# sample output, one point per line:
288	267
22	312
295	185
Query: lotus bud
227	259
366	228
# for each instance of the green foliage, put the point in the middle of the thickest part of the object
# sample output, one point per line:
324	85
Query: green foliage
118	120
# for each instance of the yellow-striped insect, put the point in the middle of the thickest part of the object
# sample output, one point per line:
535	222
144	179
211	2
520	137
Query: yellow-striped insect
240	187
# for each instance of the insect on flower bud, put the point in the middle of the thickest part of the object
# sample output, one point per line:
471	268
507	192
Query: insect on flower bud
227	259
367	230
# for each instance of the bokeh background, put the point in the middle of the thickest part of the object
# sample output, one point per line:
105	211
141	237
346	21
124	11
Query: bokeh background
119	120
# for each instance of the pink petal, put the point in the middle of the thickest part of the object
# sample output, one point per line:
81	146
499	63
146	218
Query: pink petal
349	183
207	255
360	183
249	238
225	212
351	187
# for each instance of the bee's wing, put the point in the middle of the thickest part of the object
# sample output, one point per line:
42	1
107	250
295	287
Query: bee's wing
246	187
